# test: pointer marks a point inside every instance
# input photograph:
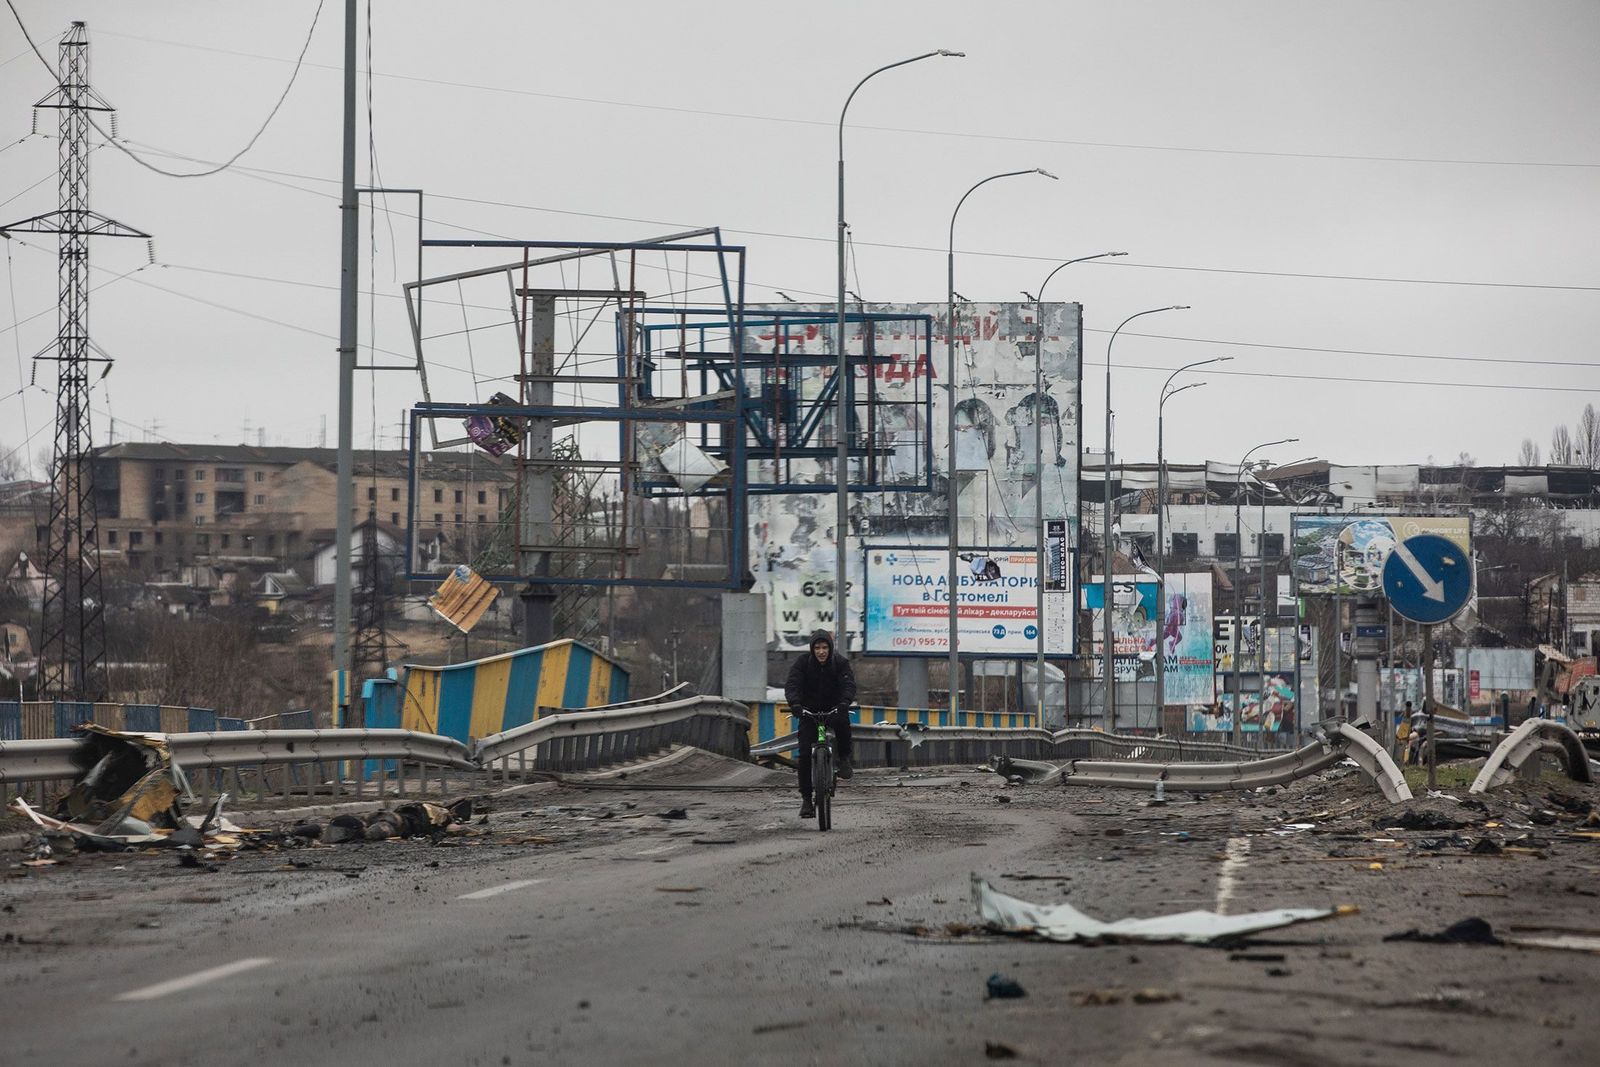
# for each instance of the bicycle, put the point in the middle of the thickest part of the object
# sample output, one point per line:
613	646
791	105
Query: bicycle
824	767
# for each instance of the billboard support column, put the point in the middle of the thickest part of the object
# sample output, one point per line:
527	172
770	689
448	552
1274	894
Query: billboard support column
1365	646
911	682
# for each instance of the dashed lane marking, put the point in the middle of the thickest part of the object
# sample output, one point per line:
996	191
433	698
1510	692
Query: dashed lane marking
658	850
496	890
178	985
1234	856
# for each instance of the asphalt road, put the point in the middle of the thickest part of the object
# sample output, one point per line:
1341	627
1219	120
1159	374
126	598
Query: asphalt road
577	925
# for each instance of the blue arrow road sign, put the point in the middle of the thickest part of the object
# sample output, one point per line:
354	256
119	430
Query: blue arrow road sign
1428	578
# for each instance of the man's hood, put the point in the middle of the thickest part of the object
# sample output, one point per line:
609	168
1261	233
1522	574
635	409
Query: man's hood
824	637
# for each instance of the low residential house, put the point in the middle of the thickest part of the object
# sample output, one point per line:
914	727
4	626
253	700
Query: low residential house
391	552
24	579
175	598
280	591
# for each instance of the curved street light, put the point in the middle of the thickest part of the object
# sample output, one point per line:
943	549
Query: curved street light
1106	659
1167	393
1038	470
1238	579
951	500
842	370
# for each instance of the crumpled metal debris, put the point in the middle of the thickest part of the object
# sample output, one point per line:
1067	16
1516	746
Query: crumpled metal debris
1020	771
125	776
1063	922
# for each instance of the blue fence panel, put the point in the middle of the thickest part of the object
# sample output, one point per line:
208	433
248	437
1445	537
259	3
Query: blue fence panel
70	713
226	723
380	699
202	720
10	720
295	720
142	717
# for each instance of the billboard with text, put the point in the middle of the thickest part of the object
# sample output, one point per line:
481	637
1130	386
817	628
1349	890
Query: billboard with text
908	603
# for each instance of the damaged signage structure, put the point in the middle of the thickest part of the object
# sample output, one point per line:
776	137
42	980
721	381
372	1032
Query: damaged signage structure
903	450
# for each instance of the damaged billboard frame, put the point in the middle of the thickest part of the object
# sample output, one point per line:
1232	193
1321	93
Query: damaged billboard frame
789	394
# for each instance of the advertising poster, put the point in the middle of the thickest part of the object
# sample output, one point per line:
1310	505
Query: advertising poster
1187	640
1134	627
1247	642
1000	422
1345	553
1271	715
908	607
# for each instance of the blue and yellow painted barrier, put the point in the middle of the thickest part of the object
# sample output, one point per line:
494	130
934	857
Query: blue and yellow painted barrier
769	720
483	697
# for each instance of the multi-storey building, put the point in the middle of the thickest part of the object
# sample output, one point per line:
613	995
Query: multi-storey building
167	506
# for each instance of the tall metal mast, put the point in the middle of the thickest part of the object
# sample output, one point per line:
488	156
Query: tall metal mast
72	631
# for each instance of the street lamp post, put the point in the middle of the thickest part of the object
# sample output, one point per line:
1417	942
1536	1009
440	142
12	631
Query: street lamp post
1038	468
952	502
1167	393
1238	580
842	371
1106	656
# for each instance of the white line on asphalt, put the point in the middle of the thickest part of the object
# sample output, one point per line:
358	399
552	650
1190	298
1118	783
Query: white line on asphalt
496	890
178	985
658	850
1234	855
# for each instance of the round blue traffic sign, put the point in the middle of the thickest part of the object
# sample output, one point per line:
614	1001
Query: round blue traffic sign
1427	578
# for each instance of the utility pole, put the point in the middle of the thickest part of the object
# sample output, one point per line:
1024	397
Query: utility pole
350	233
72	626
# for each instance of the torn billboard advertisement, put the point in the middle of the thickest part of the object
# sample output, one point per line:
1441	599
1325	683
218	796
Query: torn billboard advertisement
1345	553
793	543
1186	640
1133	626
908	606
1271	715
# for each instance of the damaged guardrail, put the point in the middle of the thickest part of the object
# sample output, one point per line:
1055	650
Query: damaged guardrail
1527	741
586	740
1336	741
1026	749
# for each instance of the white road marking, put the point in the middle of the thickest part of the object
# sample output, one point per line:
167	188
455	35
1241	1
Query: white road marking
657	850
178	985
1234	856
496	890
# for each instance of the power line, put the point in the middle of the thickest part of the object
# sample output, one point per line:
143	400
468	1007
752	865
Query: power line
778	235
964	135
112	140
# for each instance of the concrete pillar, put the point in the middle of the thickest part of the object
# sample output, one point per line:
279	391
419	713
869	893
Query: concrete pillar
1367	644
911	680
537	519
744	646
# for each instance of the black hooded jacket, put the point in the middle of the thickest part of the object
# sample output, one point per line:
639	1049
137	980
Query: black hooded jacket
820	686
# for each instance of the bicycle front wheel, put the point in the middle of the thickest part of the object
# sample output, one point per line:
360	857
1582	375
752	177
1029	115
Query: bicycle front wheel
822	785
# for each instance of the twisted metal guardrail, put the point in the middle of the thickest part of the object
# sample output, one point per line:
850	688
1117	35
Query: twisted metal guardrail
594	738
1527	741
1134	763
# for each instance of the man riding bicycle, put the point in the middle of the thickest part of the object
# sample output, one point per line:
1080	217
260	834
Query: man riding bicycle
821	682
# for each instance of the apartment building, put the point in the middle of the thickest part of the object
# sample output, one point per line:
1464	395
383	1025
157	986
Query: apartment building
165	506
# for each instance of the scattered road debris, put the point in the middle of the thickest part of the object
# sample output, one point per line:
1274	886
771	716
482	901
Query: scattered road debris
1000	987
1473	931
1063	922
1094	998
999	1050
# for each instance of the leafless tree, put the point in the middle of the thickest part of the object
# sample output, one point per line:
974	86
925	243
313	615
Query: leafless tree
1560	446
1588	438
13	463
1528	455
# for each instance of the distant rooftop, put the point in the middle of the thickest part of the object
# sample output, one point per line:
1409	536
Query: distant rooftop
385	464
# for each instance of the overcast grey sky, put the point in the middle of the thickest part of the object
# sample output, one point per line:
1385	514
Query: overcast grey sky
1236	150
